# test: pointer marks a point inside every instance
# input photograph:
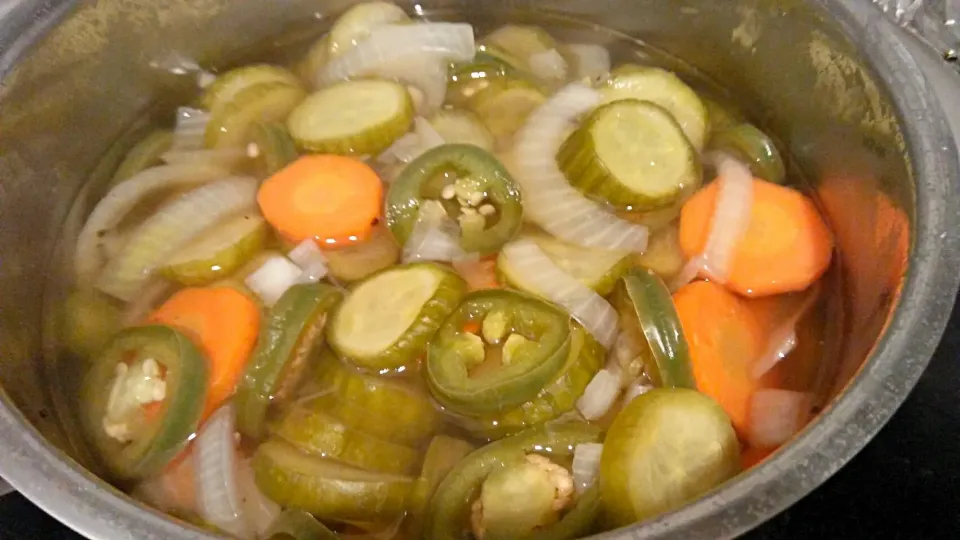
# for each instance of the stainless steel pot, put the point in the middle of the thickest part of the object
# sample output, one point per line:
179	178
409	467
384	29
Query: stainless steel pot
830	76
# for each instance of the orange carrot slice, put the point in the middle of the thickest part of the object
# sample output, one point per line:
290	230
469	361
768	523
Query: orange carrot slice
785	248
224	324
333	199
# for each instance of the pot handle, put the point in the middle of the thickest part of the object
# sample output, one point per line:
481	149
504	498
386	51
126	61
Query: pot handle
935	23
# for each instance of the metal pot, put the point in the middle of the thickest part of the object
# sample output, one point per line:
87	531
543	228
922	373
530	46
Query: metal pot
831	77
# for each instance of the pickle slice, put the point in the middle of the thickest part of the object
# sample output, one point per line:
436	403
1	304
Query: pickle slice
352	118
230	123
505	104
314	60
463	127
443	454
357	261
521	43
275	147
387	320
632	154
144	155
662	88
667	447
308	428
88	320
328	489
357	22
219	251
598	269
231	84
467	79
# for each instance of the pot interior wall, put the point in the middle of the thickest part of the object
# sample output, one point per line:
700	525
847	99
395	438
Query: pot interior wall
109	66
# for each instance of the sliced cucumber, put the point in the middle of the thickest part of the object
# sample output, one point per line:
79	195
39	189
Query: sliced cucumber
752	146
352	118
523	43
88	320
314	60
357	22
327	489
467	79
231	84
219	251
632	154
230	123
456	126
144	155
357	261
275	147
443	454
720	115
388	318
664	89
598	269
505	104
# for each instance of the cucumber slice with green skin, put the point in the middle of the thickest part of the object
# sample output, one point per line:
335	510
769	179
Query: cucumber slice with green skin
632	154
559	396
357	22
314	60
597	269
520	42
462	127
505	104
662	88
144	155
297	525
231	123
328	489
467	79
647	301
275	147
88	320
227	87
358	261
385	408
290	332
311	431
219	251
443	454
753	147
361	117
720	116
666	448
388	319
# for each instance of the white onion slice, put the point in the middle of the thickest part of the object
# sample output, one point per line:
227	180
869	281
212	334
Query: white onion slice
775	416
412	145
783	339
429	136
600	395
259	509
432	243
151	296
426	73
548	65
729	222
586	465
585	305
190	130
221	157
589	61
549	200
215	463
310	259
273	278
171	227
123	198
636	389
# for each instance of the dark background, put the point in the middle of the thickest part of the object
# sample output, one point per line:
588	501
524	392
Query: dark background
905	484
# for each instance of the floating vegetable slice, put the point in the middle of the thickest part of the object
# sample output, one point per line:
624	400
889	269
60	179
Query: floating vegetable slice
443	454
663	254
327	489
481	181
231	122
467	79
275	147
752	146
667	447
450	504
556	398
314	60
630	153
535	341
505	104
598	269
662	88
87	322
357	261
142	399
229	86
297	525
352	118
219	251
358	22
525	44
462	127
720	116
290	332
387	320
144	155
648	307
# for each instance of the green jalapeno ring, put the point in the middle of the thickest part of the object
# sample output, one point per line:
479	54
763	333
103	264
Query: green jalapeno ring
156	442
451	502
406	194
297	525
511	385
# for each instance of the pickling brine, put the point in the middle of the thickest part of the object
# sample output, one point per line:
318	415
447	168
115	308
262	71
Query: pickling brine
440	281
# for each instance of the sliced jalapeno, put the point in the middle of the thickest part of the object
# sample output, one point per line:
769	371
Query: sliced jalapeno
291	330
443	454
297	525
477	189
142	399
497	351
457	496
755	148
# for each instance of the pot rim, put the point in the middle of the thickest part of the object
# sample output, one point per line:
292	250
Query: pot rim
74	496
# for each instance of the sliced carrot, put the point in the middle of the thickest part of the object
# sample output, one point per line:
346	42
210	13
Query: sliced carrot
471	327
785	248
751	457
224	324
724	339
479	275
333	199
